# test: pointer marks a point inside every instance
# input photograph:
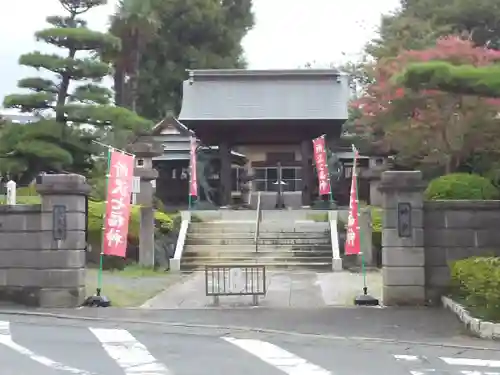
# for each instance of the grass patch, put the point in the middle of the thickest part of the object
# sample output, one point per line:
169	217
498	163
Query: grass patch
135	270
132	286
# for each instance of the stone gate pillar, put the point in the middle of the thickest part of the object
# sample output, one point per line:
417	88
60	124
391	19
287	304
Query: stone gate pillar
403	254
61	258
144	153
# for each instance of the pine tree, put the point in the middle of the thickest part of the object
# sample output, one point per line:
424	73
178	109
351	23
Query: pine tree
71	103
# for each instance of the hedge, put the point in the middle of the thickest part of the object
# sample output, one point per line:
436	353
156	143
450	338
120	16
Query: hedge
475	282
461	186
164	222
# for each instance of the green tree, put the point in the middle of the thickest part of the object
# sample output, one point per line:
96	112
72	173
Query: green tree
430	128
458	79
418	23
135	23
187	34
68	115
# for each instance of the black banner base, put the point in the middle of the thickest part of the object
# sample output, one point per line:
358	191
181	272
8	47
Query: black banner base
365	299
97	301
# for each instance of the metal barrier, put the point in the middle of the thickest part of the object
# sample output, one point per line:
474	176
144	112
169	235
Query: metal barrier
257	224
235	280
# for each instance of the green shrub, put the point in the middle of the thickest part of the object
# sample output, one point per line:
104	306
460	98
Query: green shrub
376	214
475	282
27	191
461	186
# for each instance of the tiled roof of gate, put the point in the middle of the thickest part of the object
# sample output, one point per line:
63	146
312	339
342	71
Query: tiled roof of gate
302	94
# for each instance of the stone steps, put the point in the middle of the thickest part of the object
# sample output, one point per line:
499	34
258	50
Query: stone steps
293	242
262	235
318	266
289	245
235	252
251	247
251	228
261	259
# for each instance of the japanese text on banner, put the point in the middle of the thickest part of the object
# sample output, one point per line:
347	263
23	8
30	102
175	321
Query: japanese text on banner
321	166
353	242
193	183
120	179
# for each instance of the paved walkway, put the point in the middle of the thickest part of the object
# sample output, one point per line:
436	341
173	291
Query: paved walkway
285	289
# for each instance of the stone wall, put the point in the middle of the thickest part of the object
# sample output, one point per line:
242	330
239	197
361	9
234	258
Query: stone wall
457	230
420	239
42	247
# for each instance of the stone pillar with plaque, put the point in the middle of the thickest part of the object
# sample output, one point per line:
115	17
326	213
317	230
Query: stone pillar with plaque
403	256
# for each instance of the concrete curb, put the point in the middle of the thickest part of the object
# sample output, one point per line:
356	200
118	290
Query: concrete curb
482	328
245	329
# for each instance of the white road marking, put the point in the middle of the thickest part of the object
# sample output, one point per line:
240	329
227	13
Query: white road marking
132	356
6	340
404	357
275	356
470	362
478	373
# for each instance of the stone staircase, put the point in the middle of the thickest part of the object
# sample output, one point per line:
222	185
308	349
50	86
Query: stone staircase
289	244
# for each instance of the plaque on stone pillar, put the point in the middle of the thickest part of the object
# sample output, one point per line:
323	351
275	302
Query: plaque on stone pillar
59	225
404	220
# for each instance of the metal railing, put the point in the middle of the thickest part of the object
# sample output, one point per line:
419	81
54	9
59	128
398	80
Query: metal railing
257	224
235	280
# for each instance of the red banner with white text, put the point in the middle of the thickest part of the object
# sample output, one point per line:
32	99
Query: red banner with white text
121	174
193	182
321	166
352	242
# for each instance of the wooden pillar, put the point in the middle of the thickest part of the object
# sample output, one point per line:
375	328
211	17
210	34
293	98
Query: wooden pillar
225	174
306	151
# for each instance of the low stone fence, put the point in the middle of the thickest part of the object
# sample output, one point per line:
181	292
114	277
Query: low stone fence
42	247
420	239
457	230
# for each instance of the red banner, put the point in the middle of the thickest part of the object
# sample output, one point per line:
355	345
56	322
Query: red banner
321	166
352	242
121	174
193	183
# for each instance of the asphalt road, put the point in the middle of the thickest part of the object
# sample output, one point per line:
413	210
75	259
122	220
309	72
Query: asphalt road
43	346
403	324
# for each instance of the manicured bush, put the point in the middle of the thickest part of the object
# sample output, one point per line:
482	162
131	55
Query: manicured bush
376	214
461	186
475	282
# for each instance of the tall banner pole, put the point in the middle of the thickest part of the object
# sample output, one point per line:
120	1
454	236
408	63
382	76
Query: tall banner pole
330	180
119	180
365	299
320	158
193	178
103	238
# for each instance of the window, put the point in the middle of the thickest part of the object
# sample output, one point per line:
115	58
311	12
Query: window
266	179
347	170
236	173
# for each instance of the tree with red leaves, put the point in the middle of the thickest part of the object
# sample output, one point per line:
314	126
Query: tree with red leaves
430	127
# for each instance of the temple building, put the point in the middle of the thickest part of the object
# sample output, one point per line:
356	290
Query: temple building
254	125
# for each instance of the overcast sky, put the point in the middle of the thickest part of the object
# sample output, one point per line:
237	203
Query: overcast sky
287	34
